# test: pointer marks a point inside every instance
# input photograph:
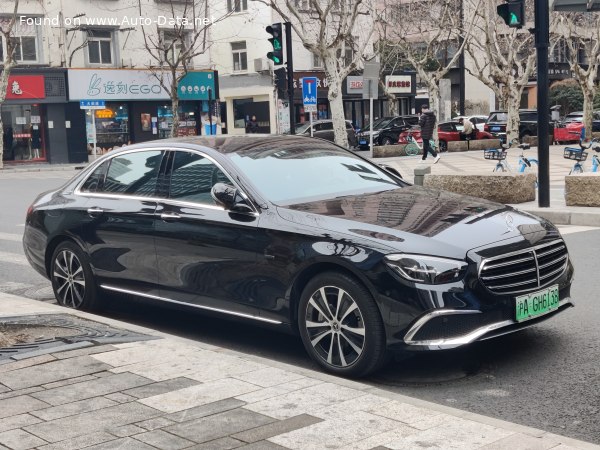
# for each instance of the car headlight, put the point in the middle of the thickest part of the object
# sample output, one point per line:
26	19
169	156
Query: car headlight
427	269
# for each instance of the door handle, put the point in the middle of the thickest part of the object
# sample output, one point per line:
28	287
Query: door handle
169	217
95	211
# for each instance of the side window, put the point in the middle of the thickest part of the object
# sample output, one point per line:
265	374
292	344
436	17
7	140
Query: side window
412	120
96	178
133	173
349	126
326	126
529	117
192	178
446	127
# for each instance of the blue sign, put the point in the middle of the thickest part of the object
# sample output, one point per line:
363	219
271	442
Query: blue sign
92	104
309	93
197	86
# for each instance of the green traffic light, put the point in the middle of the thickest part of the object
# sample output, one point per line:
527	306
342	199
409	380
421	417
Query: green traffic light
514	20
276	44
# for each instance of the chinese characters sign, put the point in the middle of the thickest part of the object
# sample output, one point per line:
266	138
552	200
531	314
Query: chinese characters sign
116	85
25	86
398	84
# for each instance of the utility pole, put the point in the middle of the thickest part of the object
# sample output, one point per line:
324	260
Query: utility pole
461	63
542	43
290	72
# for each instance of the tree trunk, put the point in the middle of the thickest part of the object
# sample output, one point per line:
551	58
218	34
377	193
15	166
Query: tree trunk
3	86
513	121
336	103
588	111
174	109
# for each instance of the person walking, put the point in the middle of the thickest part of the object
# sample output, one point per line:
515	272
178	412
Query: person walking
427	123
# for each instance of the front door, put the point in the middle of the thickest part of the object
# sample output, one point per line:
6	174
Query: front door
206	255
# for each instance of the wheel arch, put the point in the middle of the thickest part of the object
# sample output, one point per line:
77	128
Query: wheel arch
52	244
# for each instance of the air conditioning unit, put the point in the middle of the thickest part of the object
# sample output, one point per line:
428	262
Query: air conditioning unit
261	65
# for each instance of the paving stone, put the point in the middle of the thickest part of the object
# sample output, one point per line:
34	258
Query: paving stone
336	433
26	363
202	394
92	388
19	405
120	397
51	371
226	443
4	389
161	387
163	440
20	392
103	374
80	442
523	442
401	431
414	416
68	381
206	410
85	351
365	403
57	347
219	425
268	376
20	440
275	428
93	421
153	424
123	443
18	421
71	409
125	430
263	394
304	401
262	445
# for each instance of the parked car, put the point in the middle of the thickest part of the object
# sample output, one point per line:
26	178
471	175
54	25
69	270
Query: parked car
301	235
324	129
386	130
478	121
447	132
496	123
569	130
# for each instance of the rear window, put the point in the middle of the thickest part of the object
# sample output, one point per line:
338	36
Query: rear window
498	117
529	117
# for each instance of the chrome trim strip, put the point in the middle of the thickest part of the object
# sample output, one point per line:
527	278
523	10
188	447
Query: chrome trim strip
444	344
427	317
208	308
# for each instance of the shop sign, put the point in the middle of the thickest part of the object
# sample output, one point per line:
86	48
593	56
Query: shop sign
354	85
115	84
197	85
322	82
398	84
25	86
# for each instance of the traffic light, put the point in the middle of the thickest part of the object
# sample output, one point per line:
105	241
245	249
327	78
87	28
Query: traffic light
281	83
277	42
513	13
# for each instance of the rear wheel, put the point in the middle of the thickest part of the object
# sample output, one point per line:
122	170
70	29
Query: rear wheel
412	149
577	168
443	146
340	325
72	279
387	141
499	168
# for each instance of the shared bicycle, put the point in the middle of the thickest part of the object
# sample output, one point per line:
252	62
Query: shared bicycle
413	148
499	155
579	155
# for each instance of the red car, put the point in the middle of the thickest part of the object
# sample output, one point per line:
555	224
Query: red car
571	132
447	132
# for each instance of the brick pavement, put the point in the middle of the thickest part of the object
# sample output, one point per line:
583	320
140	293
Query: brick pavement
172	393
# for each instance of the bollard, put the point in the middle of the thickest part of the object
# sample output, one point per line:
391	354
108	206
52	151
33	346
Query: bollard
420	173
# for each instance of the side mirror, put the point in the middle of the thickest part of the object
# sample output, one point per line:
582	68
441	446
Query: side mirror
230	198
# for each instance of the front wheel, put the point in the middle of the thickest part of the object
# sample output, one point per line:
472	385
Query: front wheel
340	325
499	168
412	149
577	168
72	278
387	141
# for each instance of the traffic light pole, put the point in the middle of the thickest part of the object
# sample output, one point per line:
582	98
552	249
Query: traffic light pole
542	42
290	75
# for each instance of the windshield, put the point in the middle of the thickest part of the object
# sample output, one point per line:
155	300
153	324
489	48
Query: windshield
290	174
378	123
302	127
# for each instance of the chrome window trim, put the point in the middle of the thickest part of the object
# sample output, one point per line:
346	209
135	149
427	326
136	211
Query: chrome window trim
169	201
208	308
533	250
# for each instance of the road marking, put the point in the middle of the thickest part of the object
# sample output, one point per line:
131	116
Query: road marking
570	229
13	258
11	237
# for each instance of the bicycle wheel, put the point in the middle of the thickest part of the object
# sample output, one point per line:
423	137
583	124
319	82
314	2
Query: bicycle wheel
577	168
412	149
499	168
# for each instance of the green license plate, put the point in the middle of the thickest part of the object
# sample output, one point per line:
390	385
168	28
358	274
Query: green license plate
537	304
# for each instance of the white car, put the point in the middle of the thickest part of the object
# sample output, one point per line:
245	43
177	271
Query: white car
479	121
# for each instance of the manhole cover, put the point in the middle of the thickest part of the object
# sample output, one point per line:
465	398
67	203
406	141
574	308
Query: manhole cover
22	334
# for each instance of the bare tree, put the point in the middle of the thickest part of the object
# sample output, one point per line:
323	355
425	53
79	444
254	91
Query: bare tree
172	50
7	30
337	32
392	61
502	58
579	35
427	33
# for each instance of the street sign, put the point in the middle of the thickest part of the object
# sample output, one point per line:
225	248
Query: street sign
92	104
309	94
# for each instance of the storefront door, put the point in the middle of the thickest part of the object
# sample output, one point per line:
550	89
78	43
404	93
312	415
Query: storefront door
24	132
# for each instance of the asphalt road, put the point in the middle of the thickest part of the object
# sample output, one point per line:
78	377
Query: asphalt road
546	377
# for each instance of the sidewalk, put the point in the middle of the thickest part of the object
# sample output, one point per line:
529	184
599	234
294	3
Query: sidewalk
41	167
172	393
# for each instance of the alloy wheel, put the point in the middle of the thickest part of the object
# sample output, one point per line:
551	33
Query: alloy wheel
69	278
335	326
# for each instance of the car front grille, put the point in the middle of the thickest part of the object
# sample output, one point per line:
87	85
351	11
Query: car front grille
525	270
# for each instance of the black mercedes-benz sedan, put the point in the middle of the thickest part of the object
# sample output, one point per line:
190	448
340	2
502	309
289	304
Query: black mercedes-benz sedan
303	235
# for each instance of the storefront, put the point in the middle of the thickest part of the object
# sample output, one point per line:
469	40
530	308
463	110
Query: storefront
33	117
404	88
138	108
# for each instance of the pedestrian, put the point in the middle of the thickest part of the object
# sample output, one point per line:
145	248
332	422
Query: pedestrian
468	129
252	125
427	123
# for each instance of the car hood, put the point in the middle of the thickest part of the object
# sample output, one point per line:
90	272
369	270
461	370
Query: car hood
420	220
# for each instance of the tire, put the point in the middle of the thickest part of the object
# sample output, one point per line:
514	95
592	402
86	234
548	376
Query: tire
412	149
499	168
327	339
387	141
443	146
576	169
72	278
